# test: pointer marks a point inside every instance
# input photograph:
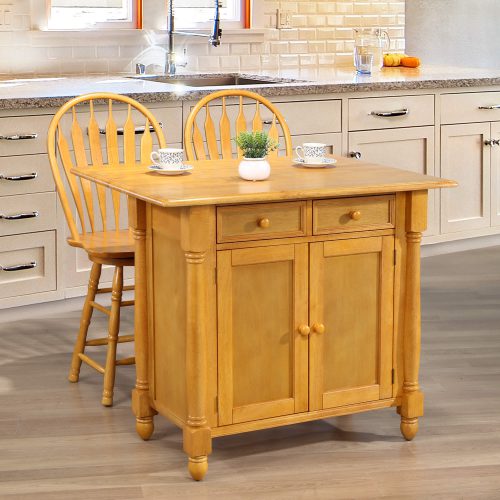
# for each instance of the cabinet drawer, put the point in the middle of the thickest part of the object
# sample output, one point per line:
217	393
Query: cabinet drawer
302	117
261	221
353	214
25	175
391	112
23	209
28	264
467	107
28	134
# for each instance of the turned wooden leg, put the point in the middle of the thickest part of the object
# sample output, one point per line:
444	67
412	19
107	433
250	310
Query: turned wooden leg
196	433
140	395
113	330
412	401
198	467
197	437
76	362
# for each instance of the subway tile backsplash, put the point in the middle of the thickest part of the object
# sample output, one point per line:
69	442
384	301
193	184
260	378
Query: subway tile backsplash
321	35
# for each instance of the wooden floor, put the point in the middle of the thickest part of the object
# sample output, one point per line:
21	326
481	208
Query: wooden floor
57	442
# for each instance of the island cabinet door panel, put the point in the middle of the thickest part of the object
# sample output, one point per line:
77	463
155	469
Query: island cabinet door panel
407	148
495	176
351	315
466	159
262	301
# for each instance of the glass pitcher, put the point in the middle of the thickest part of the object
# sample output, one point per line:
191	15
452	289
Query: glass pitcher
370	41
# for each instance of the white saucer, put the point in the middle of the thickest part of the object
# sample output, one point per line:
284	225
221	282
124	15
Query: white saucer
324	163
174	170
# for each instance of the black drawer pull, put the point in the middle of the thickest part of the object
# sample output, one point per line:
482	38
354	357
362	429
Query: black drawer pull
388	114
22	177
28	215
19	267
137	130
18	137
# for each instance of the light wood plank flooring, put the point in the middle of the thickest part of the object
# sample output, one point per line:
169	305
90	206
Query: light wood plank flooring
58	442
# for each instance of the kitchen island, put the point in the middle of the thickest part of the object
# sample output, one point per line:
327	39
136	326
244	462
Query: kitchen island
265	304
438	121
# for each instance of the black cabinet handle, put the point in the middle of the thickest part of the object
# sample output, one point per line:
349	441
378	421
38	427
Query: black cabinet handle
22	177
28	215
18	137
388	114
19	267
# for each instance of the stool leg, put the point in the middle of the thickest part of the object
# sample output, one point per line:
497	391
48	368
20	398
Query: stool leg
113	329
76	362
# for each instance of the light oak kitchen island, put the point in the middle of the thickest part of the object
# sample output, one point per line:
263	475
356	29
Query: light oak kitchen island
270	303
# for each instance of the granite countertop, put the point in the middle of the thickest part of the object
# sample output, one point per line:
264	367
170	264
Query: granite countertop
48	92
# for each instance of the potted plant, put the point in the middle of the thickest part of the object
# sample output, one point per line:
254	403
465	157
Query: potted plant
255	146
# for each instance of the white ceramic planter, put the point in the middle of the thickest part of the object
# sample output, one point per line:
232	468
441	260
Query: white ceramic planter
254	169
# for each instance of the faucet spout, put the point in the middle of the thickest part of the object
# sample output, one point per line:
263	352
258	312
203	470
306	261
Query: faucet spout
214	38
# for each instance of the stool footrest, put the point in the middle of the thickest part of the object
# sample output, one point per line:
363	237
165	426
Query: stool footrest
103	309
126	361
104	341
109	290
92	363
125	303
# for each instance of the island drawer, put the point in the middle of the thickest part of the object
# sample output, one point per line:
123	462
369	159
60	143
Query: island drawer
27	213
391	112
25	175
21	135
261	221
470	107
353	214
27	264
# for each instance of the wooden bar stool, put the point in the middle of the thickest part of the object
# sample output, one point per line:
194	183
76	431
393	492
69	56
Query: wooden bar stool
93	227
246	109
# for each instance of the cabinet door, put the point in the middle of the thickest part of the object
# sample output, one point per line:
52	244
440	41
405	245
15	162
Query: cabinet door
262	300
466	159
495	176
351	296
407	148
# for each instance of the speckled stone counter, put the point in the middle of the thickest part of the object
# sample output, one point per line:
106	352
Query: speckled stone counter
52	92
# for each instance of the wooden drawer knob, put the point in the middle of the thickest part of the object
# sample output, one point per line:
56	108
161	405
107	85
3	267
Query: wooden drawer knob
355	215
264	223
304	330
318	328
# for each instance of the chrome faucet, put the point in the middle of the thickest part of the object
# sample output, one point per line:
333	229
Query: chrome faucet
213	37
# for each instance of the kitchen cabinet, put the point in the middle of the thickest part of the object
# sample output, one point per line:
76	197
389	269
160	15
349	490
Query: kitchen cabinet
397	131
466	156
470	140
411	148
296	302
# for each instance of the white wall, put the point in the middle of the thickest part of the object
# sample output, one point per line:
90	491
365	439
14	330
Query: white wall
321	36
454	32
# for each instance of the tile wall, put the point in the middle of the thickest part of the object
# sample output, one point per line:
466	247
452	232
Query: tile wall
321	35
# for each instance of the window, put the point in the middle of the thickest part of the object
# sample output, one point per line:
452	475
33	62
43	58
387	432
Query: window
200	13
78	14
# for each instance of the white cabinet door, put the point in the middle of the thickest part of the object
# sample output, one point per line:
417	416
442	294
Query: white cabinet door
495	176
407	148
466	159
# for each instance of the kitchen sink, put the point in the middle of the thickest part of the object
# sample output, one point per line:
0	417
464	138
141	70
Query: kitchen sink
230	80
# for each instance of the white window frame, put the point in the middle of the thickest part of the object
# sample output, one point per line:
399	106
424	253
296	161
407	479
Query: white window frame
130	23
236	21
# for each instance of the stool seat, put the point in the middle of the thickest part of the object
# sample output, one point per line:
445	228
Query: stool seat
106	244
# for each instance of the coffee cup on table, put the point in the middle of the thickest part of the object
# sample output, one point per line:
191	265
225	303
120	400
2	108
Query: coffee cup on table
168	157
313	152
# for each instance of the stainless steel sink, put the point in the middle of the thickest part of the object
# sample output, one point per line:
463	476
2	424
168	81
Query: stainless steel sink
230	80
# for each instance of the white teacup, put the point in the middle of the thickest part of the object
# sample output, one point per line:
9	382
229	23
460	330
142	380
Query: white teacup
314	152
168	157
